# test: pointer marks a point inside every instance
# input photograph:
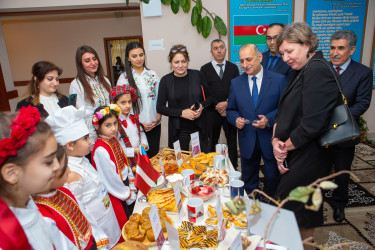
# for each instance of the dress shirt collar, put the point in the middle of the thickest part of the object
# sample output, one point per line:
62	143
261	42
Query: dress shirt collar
259	76
215	64
344	66
143	72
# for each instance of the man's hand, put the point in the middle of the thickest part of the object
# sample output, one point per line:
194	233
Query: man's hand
221	106
261	123
240	122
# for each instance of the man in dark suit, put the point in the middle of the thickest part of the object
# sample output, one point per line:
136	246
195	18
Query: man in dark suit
356	80
219	73
271	59
252	106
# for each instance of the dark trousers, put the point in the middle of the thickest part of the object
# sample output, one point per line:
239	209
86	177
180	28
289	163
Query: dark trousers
153	139
216	121
250	171
183	135
342	160
128	208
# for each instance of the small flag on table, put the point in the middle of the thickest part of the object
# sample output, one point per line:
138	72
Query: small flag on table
146	176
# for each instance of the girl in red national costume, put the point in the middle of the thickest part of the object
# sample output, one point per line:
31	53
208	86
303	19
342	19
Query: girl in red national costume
84	181
132	134
27	165
62	213
109	158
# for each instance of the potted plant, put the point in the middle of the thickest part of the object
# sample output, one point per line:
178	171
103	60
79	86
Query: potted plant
363	127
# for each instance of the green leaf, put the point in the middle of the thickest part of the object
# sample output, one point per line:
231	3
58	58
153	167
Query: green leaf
199	24
186	7
175	6
206	26
127	3
301	194
220	25
255	208
199	6
194	16
327	185
166	2
182	3
317	199
146	1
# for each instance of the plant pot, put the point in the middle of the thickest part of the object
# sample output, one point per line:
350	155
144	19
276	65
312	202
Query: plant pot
362	137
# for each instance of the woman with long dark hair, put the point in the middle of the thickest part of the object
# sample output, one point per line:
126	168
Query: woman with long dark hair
91	86
146	84
42	90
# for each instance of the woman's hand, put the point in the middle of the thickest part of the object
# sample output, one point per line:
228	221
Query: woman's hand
198	112
188	114
280	154
148	126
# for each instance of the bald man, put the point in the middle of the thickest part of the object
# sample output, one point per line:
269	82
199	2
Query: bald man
252	106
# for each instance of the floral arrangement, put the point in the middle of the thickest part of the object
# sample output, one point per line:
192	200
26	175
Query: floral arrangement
105	111
22	127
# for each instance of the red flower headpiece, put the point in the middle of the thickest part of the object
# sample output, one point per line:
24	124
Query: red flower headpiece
123	89
22	127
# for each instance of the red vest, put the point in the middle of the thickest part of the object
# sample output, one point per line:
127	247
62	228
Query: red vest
114	149
12	235
63	208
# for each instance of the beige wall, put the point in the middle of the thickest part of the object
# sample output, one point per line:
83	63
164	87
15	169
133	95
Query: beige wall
56	40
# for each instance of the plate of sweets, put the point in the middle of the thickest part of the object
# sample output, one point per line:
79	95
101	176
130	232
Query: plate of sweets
202	191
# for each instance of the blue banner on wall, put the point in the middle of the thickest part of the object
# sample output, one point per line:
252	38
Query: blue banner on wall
325	17
249	20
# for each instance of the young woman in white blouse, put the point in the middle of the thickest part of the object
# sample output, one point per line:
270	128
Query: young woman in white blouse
90	85
146	84
42	90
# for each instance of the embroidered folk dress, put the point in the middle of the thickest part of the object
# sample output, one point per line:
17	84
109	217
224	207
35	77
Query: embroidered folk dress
109	160
34	226
92	193
134	137
148	85
62	212
101	98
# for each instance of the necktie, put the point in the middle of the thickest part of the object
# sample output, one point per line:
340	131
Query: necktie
338	70
254	94
273	58
221	73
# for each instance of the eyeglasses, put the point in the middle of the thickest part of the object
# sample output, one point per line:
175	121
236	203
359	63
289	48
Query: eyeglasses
270	38
181	49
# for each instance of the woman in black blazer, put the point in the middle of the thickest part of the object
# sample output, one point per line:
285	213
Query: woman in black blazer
42	90
303	114
187	95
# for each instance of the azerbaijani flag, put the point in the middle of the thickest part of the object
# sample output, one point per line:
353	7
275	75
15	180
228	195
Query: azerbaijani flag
252	28
146	176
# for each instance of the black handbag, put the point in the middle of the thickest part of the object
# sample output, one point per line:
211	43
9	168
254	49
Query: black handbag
342	126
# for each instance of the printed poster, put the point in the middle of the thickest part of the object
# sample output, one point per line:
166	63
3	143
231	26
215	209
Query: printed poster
249	20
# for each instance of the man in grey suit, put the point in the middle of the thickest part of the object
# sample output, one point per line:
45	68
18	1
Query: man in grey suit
271	59
356	80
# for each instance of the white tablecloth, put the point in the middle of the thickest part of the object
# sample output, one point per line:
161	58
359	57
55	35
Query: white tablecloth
231	233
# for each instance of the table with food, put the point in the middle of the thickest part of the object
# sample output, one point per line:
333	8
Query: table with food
201	180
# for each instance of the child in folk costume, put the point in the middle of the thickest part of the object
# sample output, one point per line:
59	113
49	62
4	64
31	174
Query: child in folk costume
131	132
61	211
109	158
83	180
27	165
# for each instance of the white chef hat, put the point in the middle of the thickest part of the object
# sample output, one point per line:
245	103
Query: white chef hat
68	124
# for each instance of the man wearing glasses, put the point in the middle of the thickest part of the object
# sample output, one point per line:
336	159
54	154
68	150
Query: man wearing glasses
271	59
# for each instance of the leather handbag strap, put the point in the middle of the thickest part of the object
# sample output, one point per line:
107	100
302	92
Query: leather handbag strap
334	75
